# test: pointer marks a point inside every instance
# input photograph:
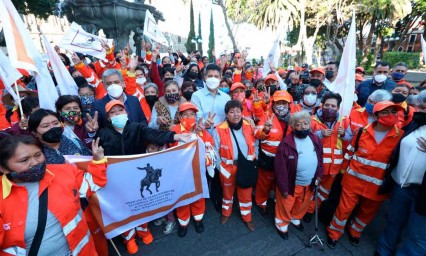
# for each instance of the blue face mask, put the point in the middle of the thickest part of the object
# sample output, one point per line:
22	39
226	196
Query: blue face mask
119	121
87	100
369	108
224	89
398	76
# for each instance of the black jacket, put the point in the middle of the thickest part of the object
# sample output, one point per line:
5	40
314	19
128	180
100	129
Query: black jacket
132	140
133	109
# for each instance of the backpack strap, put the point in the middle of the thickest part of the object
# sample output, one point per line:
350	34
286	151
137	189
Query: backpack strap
358	136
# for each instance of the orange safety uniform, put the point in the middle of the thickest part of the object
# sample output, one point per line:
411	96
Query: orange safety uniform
333	152
268	144
362	180
228	169
405	116
358	118
197	208
66	185
92	79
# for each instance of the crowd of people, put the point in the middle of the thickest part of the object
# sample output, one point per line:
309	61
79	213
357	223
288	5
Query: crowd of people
276	135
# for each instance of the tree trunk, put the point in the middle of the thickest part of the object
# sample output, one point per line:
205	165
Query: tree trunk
377	46
228	27
367	46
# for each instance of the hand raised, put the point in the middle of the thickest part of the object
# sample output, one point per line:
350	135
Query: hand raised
97	151
92	123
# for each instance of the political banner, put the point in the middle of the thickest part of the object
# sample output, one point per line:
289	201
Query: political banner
142	188
76	39
152	31
8	75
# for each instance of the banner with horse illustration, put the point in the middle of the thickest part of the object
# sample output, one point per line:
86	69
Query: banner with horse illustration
142	188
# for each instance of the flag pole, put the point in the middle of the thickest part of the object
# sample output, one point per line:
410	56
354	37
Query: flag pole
115	247
19	102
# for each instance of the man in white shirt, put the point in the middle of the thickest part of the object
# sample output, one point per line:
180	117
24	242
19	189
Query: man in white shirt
330	74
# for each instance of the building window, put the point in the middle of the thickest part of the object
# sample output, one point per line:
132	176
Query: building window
412	38
179	39
410	49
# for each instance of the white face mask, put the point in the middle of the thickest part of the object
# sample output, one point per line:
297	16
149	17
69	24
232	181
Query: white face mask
310	99
380	78
212	83
115	90
141	81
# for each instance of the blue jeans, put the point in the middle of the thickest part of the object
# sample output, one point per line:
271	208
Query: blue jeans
401	212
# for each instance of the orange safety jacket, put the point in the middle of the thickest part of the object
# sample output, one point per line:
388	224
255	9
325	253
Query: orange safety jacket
365	168
358	118
269	142
226	151
333	146
66	185
405	116
92	79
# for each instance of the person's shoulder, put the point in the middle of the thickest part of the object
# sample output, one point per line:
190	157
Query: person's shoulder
367	82
132	99
391	83
102	101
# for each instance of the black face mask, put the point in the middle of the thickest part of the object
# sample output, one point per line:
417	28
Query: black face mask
248	94
168	79
53	135
187	95
301	134
329	74
398	98
419	118
315	82
193	75
235	126
273	89
151	99
167	65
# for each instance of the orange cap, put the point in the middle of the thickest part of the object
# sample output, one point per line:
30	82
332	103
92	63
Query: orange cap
359	77
113	103
187	105
237	85
298	68
379	106
271	77
360	69
281	71
405	83
282	95
321	70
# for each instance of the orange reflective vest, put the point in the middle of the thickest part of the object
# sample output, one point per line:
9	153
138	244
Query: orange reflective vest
405	116
226	151
269	142
365	168
66	185
333	146
92	79
358	118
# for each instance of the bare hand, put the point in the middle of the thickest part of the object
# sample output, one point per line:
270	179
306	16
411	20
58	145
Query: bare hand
256	96
200	126
240	63
23	123
341	131
422	144
92	123
179	69
97	151
154	55
210	120
326	132
133	63
268	125
267	95
75	59
123	60
184	137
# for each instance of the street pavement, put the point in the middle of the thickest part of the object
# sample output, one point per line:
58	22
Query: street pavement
234	238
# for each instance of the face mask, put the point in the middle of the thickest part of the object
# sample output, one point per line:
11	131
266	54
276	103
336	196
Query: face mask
273	89
33	174
420	118
239	96
151	99
261	88
369	108
397	76
187	95
141	80
398	98
115	90
119	121
158	62
71	116
172	97
310	99
212	83
193	75
224	89
167	65
329	115
53	135
389	120
87	100
380	78
301	134
188	123
248	94
329	74
315	82
280	110
168	79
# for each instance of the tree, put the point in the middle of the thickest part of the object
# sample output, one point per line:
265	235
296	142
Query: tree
190	47
200	44
221	3
40	8
211	37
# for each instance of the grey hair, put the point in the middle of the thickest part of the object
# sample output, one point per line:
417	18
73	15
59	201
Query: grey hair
421	98
111	72
400	64
298	116
380	95
151	85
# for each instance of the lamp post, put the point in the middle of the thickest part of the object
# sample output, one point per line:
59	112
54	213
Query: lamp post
197	40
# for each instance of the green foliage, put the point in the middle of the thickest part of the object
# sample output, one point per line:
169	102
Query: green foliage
190	47
211	37
358	57
253	61
369	61
40	8
411	58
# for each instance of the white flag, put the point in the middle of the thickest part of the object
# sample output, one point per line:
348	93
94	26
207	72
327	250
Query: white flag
23	54
272	57
152	31
423	47
8	75
78	40
66	83
345	80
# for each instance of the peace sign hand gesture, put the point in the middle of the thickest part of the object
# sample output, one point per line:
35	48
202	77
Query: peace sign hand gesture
92	123
200	126
267	95
268	125
210	120
256	96
97	151
133	63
